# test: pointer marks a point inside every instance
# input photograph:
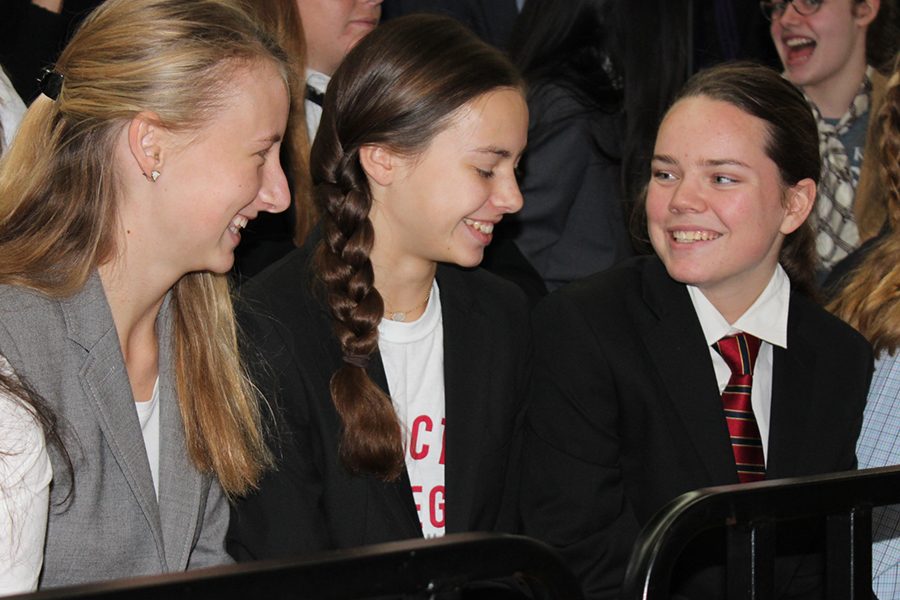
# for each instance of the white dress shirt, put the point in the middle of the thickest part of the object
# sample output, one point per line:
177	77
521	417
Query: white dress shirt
319	82
766	319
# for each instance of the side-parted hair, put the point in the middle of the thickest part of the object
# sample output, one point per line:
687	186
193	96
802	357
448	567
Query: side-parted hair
59	193
399	87
792	143
870	300
281	18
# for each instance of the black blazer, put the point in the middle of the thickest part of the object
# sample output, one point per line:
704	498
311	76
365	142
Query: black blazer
625	415
311	503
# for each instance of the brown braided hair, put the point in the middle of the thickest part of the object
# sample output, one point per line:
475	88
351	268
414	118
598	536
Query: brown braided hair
398	88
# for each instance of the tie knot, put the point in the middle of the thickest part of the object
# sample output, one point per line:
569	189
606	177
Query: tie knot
739	351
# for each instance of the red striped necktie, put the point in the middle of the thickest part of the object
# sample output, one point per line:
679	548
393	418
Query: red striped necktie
740	352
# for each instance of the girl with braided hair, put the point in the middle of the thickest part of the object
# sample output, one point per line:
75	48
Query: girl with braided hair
396	367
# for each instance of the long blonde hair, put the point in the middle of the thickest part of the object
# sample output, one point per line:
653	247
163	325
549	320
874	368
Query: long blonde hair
59	193
870	300
282	19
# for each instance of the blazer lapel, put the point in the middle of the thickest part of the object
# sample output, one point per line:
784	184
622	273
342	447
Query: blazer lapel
792	378
180	484
465	329
106	386
396	496
676	346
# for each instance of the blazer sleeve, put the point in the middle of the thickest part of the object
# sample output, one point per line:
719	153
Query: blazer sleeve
284	516
209	549
572	490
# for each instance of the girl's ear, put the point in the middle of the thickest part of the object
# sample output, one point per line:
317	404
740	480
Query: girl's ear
146	141
865	12
379	163
799	201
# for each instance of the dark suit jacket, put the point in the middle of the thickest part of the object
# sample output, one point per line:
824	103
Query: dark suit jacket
625	415
311	503
572	224
492	20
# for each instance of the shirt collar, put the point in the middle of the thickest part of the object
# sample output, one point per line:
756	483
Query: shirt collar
316	80
766	318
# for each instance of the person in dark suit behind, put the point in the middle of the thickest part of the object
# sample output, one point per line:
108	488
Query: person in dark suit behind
396	368
632	404
492	20
573	221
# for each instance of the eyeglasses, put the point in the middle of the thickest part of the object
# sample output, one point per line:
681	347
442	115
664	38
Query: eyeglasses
775	10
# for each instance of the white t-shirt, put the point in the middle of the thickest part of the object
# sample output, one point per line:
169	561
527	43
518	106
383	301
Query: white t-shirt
413	357
148	415
25	475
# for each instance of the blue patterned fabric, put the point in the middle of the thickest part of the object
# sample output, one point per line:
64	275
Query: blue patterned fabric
879	446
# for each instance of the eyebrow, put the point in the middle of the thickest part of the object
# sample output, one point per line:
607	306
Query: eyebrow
274	138
712	162
502	152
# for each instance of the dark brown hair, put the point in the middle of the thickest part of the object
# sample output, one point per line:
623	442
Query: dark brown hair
399	87
792	143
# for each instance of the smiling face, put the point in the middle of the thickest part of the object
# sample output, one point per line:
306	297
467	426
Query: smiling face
442	205
717	210
826	46
332	27
215	180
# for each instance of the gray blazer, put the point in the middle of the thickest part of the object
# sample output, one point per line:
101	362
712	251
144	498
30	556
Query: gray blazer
109	524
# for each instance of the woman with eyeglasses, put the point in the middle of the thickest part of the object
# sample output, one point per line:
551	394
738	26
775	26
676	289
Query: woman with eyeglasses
831	50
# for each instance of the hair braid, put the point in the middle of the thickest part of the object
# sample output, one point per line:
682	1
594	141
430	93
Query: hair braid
372	440
398	88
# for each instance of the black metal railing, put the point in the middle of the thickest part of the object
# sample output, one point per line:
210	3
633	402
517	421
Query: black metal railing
477	562
751	513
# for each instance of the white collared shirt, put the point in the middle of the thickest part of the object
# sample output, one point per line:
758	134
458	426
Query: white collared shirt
319	82
766	319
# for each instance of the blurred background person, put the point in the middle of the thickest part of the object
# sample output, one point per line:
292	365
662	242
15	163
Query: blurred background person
573	220
832	51
331	29
868	298
273	235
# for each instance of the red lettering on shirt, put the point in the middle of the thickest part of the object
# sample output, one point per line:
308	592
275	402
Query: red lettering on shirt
436	506
414	450
417	489
443	437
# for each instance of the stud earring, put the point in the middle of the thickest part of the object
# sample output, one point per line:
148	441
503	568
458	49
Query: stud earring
154	175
